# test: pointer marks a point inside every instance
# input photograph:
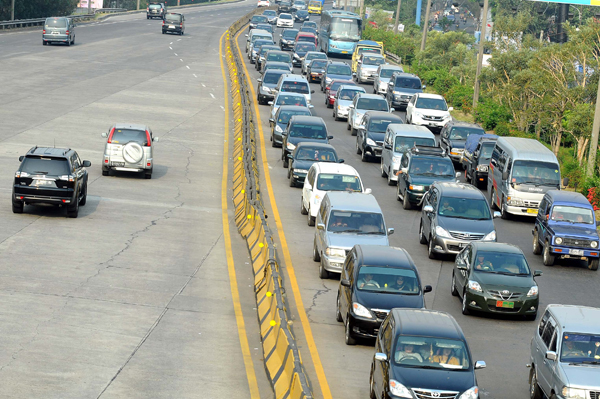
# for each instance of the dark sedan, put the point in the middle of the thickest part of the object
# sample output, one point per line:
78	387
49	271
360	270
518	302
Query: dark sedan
282	117
316	69
267	84
302	129
369	139
304	156
301	16
300	50
257	19
173	23
336	71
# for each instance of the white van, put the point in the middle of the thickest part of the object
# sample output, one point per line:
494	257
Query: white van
399	138
254	35
323	177
521	171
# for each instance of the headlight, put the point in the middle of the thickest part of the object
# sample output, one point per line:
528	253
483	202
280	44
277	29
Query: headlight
594	244
398	389
471	393
291	146
418	114
396	159
358	117
396	92
317	199
442	232
360	310
490	237
266	89
340	253
573	393
447	116
300	170
515	201
482	168
414	187
533	291
327	80
296	56
278	129
558	240
370	142
474	285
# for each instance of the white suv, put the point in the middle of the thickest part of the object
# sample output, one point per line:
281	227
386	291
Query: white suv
128	148
429	110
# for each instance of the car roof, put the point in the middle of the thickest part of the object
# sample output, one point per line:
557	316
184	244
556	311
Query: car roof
315	52
315	144
466	124
49	151
385	115
371	96
391	66
294	77
358	202
405	75
285	13
335	168
353	87
308	120
459	190
378	255
426	323
573	318
292	108
254	32
338	63
367	43
277	51
130	126
521	148
277	63
403	129
496	247
568	196
429	95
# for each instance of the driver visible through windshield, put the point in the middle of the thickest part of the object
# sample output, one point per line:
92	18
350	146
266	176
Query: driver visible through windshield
356	222
501	263
427	167
388	280
425	352
463	208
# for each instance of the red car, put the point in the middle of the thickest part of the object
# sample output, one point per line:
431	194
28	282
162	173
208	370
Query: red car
306	37
332	89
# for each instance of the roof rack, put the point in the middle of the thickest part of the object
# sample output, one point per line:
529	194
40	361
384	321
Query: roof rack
426	150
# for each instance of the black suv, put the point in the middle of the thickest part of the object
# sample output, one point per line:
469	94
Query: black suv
419	168
156	10
476	158
300	129
287	39
53	176
284	6
174	23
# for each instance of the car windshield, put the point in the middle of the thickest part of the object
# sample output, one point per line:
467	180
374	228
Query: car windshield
428	352
317	132
285	16
305	46
45	166
372	104
388	280
154	6
315	55
486	150
356	222
318	64
307	39
379	125
301	13
262	43
295	87
580	348
316	154
284	116
315	3
271	77
461	133
348	94
431	103
260	40
338	182
289	33
387	72
501	263
266	27
464	208
345	29
407	83
173	18
279	57
430	167
339	70
281	67
124	136
534	172
336	85
309	29
266	47
369	60
259	19
572	214
310	23
270	13
58	22
403	143
288	99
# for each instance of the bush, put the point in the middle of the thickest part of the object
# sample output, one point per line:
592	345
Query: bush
444	82
461	97
490	113
502	129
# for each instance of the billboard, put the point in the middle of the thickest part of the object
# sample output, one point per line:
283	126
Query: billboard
96	4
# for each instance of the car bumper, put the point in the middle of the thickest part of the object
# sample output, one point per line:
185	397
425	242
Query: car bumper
285	24
316	76
443	245
399	102
575	253
431	125
55	38
521	210
375	151
484	302
266	97
414	197
480	177
332	264
43	196
277	138
299	177
333	50
127	167
342	113
176	29
363	327
368	78
318	12
455	157
382	89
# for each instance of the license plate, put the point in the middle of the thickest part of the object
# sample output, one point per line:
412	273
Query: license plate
532	210
118	163
505	304
578	252
171	26
55	33
43	183
344	52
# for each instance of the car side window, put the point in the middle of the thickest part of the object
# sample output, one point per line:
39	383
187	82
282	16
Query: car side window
434	199
495	156
543	322
75	163
548	332
350	274
552	346
387	337
542	209
323	211
311	177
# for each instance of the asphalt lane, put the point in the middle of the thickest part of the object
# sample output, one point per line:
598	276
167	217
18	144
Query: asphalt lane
503	342
132	299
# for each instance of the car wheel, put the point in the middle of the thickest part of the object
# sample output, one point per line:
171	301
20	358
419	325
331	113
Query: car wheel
534	389
371	386
422	238
383	174
148	175
310	219
73	210
17	207
348	127
338	314
303	210
492	200
105	172
83	199
358	151
547	257
45	43
329	104
349	339
292	181
364	157
352	131
593	264
390	182
316	254
273	140
398	194
323	274
453	289
430	251
405	202
503	212
465	309
285	161
69	42
537	248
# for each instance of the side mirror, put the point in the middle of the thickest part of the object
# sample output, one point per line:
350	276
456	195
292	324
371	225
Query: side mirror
353	74
368	191
428	209
382	357
246	35
329	137
458	174
320	226
87	164
271	120
341	160
155	139
392	109
259	80
427	289
351	106
345	283
505	175
497	214
270	103
387	146
390	231
290	156
460	264
310	106
565	181
104	134
312	92
21	158
450	109
550	355
537	273
480	364
424	87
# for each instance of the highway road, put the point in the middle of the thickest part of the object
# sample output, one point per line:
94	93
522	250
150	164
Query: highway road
502	342
134	298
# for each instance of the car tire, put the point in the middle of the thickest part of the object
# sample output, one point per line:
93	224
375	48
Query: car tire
68	42
372	394
398	194
338	314
537	248
348	338
593	264
17	207
310	219
534	389
148	175
358	150
105	172
163	32
44	43
329	104
323	274
492	201
465	309
316	254
383	174
292	181
364	157
422	238
503	212
348	127
352	131
335	117
73	210
303	210
453	289
430	252
83	199
405	201
390	182
286	162
547	257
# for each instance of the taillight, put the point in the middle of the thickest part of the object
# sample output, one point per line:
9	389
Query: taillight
163	23
44	31
67	32
147	9
110	135
181	25
149	139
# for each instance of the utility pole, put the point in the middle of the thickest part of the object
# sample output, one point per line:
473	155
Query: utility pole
480	55
426	25
12	11
345	5
594	140
362	8
397	17
138	5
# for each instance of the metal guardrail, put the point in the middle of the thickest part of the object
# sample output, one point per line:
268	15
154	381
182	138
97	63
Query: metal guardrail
393	57
22	23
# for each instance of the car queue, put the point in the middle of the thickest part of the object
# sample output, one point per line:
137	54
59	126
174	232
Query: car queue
351	234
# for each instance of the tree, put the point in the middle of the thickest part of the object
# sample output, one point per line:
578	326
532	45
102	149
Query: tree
26	9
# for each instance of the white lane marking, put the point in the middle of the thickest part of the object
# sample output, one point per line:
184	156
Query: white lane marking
175	53
222	107
170	43
203	85
194	75
178	40
171	47
180	60
212	95
187	66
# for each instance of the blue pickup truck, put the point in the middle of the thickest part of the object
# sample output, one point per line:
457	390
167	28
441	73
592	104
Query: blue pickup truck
565	228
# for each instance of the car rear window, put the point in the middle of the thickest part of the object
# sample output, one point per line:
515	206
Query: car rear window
295	87
372	104
380	125
339	70
124	136
291	99
56	23
154	6
172	17
290	33
271	77
260	18
285	16
45	166
308	131
318	63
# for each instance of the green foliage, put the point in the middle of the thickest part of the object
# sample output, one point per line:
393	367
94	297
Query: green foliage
403	44
26	9
444	82
502	129
490	113
569	167
461	97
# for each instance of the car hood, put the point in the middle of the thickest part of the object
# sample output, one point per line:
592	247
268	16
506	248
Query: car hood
348	240
375	136
344	103
384	80
296	140
427	180
302	164
387	301
582	376
446	380
369	67
492	281
404	90
573	230
340	77
457	143
471	226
